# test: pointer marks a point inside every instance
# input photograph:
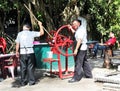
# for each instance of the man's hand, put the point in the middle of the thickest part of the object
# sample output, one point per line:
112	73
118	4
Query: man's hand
70	27
41	28
75	52
101	44
40	23
17	54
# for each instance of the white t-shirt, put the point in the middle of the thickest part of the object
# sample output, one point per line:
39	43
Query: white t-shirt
25	38
81	34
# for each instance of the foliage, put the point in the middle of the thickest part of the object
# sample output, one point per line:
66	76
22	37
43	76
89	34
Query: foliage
104	15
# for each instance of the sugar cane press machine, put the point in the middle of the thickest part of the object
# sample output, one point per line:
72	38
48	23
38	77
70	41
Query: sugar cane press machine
61	43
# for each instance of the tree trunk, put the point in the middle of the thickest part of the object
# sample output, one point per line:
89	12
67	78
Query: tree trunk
40	6
18	19
1	26
32	18
2	20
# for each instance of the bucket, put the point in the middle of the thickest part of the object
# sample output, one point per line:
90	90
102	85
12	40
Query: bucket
49	54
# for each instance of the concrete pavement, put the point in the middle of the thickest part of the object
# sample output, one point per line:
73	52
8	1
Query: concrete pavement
46	83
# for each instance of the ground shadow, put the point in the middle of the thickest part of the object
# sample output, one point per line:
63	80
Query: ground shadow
39	74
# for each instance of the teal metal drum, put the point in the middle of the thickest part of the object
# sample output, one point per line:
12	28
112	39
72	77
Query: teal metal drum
41	52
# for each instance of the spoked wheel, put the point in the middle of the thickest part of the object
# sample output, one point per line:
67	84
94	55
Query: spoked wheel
64	41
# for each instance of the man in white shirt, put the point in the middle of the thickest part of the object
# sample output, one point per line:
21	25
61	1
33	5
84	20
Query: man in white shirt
81	64
24	44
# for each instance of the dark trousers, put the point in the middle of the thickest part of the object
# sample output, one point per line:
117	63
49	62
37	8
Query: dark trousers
82	65
98	47
27	67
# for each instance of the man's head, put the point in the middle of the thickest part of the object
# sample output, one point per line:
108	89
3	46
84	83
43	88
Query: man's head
111	34
26	26
76	24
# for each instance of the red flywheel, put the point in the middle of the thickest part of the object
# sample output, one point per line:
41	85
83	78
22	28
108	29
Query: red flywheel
64	41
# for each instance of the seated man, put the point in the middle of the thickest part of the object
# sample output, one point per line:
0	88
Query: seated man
100	46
